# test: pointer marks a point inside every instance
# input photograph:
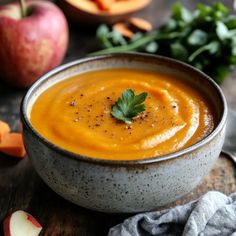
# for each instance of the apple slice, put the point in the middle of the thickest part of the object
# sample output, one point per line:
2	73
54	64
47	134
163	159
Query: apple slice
21	223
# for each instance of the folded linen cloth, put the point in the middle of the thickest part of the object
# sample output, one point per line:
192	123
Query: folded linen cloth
211	215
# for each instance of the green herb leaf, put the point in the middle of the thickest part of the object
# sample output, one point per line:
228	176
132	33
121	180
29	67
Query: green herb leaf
128	106
103	35
102	31
204	38
179	51
152	47
197	38
222	31
180	13
117	38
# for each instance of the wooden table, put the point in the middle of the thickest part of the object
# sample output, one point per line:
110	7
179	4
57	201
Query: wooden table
21	187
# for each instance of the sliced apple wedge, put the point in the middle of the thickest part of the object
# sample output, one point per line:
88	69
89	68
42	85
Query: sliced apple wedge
21	223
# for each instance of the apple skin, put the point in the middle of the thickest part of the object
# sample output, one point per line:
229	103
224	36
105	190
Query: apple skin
32	45
21	222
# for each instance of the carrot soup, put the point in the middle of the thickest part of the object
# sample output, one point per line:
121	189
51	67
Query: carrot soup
76	114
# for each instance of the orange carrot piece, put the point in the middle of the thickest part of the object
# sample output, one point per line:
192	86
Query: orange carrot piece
4	129
140	24
123	30
104	5
12	144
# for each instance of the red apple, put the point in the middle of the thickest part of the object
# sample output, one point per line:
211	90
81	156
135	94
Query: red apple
31	45
21	223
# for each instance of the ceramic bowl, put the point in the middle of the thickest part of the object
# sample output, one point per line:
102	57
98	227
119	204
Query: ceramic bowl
78	12
124	186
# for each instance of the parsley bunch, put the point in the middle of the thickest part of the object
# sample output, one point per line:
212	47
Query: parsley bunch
204	38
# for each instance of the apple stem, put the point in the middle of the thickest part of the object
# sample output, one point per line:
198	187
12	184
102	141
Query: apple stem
23	8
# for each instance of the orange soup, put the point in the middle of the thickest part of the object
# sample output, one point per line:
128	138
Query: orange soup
75	114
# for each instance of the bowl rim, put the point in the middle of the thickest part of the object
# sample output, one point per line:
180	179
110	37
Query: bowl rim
26	123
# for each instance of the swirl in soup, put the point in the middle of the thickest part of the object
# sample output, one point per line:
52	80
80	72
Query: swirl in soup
75	114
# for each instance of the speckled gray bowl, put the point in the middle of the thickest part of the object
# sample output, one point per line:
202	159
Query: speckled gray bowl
124	186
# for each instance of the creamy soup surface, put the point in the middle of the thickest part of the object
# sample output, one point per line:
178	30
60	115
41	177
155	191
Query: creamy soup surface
75	114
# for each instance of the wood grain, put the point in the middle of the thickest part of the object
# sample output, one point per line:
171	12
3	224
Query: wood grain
21	187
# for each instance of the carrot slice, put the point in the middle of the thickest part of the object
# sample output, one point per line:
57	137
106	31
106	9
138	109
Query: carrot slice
104	5
140	24
4	129
123	30
12	144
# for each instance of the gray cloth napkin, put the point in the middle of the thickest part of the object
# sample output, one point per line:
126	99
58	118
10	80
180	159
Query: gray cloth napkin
213	214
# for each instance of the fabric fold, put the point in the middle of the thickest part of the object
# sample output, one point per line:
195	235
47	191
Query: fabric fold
212	214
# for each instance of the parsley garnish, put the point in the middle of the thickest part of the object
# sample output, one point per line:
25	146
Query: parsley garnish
129	106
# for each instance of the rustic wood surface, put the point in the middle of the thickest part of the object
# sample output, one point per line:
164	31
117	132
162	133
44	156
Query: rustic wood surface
21	187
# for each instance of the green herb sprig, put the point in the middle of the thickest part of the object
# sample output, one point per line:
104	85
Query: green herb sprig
129	106
204	38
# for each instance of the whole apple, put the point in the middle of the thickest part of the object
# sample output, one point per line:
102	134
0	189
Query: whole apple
33	44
